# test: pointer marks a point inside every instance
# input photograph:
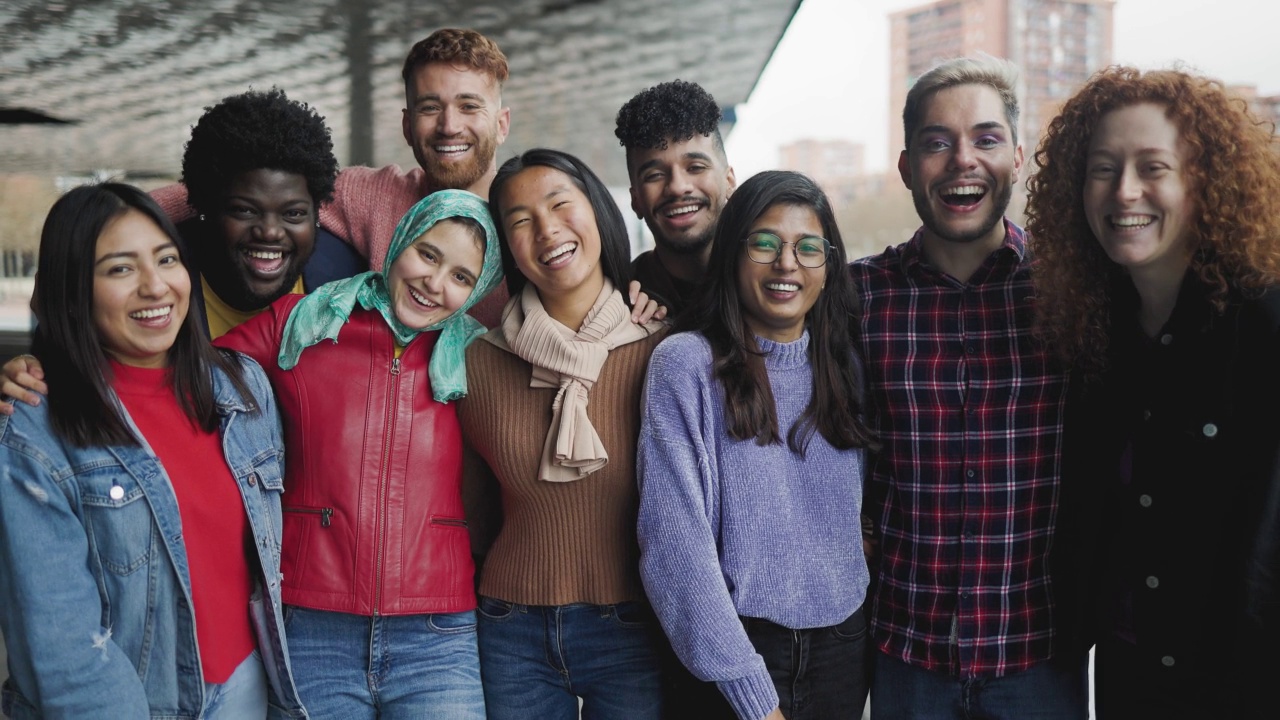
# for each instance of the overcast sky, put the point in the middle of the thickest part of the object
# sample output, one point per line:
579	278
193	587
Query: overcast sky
829	77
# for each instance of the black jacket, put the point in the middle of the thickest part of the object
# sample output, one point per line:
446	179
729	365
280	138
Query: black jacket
1171	499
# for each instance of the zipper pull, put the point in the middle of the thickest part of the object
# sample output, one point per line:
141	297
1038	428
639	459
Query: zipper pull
325	515
395	366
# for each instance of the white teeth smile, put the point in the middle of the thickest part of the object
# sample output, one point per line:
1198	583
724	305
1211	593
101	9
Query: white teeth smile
684	210
152	313
266	254
1132	221
548	257
965	190
782	287
451	148
422	300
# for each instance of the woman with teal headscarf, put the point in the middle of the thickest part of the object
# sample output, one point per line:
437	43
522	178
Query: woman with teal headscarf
378	576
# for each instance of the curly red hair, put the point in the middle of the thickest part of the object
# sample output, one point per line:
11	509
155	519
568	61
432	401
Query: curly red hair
456	46
1233	178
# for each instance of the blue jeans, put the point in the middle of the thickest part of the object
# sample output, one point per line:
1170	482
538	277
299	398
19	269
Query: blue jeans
242	696
392	666
538	661
1051	690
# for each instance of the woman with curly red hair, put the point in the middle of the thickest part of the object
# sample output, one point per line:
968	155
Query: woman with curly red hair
1155	219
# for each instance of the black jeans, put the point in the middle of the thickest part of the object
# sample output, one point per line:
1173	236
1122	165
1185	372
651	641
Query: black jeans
819	673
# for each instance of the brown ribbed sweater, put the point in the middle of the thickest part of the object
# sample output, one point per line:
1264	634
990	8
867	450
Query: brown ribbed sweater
556	543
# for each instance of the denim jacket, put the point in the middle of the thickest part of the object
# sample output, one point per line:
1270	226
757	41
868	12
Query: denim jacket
95	590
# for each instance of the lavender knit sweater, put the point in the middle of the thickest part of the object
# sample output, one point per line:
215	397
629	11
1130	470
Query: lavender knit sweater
729	528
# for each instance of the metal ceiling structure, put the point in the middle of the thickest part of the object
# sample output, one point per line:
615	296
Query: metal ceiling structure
129	78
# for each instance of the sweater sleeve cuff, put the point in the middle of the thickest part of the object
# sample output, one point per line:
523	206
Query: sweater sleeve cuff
753	696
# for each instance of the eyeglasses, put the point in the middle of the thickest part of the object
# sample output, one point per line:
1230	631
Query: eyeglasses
765	248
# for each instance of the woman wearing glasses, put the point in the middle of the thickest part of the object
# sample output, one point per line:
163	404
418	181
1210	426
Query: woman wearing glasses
751	465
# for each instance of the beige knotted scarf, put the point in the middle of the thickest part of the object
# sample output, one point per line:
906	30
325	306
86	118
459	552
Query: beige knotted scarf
571	362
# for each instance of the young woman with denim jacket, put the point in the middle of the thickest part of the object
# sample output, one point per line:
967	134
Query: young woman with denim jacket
122	494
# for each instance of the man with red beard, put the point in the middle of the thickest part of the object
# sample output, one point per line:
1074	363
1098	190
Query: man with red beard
454	121
963	495
680	180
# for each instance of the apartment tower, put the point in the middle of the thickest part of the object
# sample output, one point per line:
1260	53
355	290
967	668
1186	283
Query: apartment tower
1057	44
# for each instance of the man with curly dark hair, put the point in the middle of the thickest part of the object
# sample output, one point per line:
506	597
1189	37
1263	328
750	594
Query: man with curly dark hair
680	180
256	169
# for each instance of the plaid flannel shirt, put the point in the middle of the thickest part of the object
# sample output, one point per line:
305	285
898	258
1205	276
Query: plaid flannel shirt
964	492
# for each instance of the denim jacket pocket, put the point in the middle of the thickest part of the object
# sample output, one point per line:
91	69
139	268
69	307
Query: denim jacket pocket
267	477
268	472
118	519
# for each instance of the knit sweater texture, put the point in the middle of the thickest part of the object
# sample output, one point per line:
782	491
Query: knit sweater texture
552	543
730	528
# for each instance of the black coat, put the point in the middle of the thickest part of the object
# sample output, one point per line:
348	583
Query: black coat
1170	524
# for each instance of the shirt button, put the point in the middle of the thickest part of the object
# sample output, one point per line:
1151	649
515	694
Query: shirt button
1167	661
970	349
1166	339
1144	500
1153	582
1146	414
253	479
1210	430
969	473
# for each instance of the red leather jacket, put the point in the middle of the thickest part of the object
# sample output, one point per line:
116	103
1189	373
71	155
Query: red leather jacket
373	520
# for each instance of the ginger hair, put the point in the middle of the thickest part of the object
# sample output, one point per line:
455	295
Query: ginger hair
456	46
1232	173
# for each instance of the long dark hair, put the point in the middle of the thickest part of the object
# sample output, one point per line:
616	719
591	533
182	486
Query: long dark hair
615	246
81	405
836	409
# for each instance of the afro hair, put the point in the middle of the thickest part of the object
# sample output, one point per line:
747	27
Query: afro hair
251	131
670	112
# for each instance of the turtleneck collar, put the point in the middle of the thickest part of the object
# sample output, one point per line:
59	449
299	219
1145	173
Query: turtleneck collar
782	356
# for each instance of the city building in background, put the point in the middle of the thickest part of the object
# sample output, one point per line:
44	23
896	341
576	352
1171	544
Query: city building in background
838	166
1058	44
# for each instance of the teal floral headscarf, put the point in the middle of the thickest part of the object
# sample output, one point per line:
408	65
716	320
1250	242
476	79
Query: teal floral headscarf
322	313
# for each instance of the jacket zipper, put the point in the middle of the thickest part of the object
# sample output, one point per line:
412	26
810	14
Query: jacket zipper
326	514
451	522
393	386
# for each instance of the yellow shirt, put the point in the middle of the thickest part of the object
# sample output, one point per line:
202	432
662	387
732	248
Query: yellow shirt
222	317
